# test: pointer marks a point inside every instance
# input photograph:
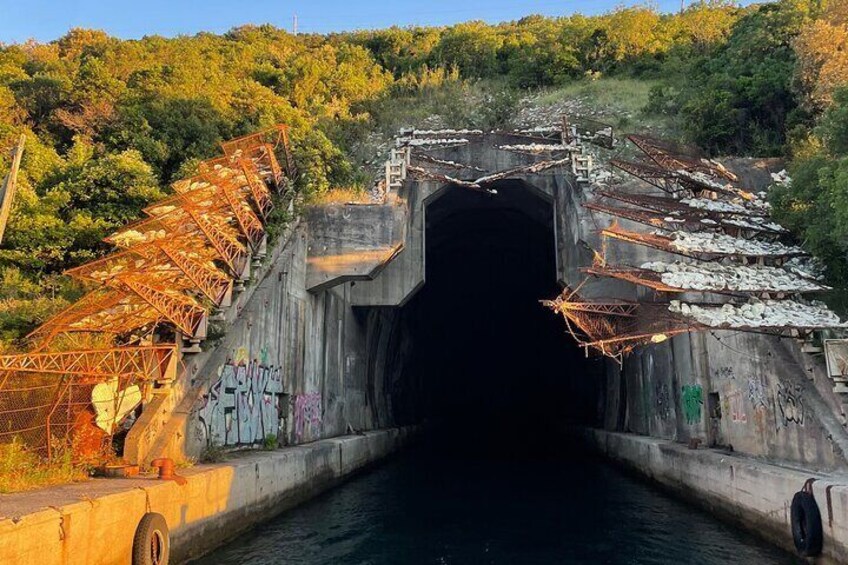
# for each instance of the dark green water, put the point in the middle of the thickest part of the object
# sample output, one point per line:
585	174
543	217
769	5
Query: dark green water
438	506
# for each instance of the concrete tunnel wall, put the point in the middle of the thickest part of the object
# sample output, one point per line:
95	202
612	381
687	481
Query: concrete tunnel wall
342	352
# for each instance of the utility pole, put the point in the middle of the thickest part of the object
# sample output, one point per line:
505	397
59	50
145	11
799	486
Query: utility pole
10	185
294	24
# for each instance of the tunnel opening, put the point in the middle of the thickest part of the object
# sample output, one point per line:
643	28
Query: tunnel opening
491	360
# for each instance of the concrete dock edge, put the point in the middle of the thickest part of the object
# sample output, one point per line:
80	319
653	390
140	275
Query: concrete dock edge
94	522
754	495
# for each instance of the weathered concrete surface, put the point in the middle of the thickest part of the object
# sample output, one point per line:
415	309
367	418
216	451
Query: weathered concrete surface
352	241
94	522
295	364
754	494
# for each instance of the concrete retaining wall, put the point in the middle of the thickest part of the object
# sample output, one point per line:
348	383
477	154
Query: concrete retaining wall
94	522
755	495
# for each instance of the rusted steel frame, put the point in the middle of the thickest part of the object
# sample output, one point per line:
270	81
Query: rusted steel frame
135	314
183	222
215	196
176	252
232	252
633	275
655	176
649	240
669	205
270	139
663	243
251	226
263	154
701	188
251	184
424	173
146	260
640	339
95	363
258	189
690	221
214	284
178	308
665	156
88	305
276	134
532	168
618	310
650	218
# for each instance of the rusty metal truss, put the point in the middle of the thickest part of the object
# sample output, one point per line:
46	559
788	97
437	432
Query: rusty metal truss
648	218
101	311
690	220
220	199
615	327
156	362
653	280
668	205
239	175
664	243
260	147
47	399
642	277
169	269
183	311
189	220
651	174
673	158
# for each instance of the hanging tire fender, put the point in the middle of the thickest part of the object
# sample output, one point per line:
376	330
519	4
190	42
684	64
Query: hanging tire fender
807	529
152	541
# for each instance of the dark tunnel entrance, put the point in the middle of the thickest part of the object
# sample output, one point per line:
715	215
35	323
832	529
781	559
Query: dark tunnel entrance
492	361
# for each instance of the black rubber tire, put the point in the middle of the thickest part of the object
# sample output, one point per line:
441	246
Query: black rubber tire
152	541
807	528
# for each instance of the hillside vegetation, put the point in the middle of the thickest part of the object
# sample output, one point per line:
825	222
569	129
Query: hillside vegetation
111	123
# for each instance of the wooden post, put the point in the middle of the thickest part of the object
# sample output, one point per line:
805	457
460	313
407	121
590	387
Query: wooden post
7	194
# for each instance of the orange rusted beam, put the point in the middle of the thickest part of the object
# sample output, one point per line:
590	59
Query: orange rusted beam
108	311
145	362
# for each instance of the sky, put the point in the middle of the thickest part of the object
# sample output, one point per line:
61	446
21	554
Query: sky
45	20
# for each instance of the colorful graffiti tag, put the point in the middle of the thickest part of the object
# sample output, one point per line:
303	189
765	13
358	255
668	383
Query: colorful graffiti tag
692	402
307	414
243	404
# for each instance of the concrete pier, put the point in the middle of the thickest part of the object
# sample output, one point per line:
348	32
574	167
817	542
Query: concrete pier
94	522
753	494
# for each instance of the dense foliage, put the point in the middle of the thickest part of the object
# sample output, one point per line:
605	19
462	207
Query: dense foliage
111	123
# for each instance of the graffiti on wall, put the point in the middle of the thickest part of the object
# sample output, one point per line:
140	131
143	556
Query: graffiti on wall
692	402
759	398
735	405
790	405
663	401
724	373
307	414
757	392
243	404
